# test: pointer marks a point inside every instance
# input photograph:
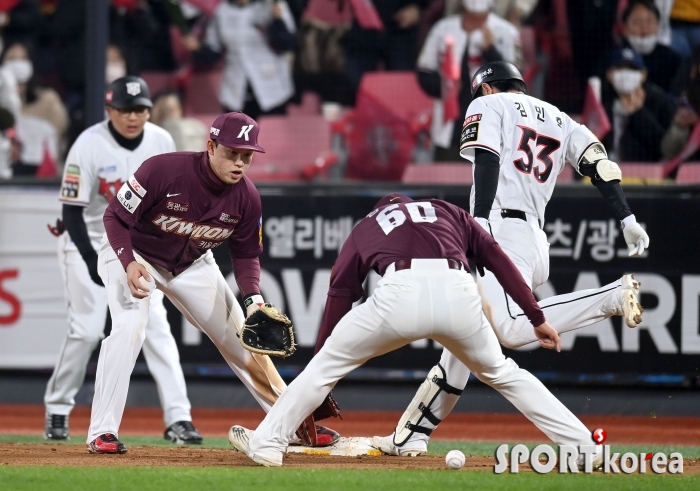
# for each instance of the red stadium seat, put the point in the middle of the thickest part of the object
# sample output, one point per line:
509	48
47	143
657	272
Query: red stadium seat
438	173
202	93
689	173
644	171
293	145
160	81
567	174
391	111
310	105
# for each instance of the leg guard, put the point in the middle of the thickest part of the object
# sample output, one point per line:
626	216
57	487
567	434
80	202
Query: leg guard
419	408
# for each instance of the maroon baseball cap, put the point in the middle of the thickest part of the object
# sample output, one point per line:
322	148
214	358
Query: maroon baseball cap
391	199
236	130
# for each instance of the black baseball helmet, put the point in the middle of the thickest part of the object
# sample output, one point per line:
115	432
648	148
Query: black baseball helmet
493	72
128	92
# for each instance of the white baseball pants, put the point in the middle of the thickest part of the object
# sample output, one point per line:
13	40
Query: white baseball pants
87	312
526	245
203	296
427	301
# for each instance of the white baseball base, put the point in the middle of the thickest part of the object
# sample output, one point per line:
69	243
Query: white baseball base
344	447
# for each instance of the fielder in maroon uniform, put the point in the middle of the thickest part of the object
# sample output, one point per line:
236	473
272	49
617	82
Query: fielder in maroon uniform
421	249
160	231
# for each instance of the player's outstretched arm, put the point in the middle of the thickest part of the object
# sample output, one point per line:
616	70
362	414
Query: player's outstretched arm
605	176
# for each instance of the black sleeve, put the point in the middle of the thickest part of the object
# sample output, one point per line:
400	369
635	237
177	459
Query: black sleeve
77	230
430	83
486	170
611	191
205	56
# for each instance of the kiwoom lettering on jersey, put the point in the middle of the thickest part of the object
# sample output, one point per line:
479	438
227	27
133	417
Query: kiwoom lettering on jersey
183	207
474	118
177	225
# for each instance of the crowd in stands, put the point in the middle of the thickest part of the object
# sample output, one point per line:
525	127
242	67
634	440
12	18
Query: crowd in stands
637	60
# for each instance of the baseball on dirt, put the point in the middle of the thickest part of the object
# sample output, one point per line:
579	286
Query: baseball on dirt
455	459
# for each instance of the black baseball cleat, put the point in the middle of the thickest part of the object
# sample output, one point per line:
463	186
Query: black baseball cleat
183	432
106	443
56	427
325	436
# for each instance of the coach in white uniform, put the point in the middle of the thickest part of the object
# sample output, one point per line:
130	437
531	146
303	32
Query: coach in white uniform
100	161
519	145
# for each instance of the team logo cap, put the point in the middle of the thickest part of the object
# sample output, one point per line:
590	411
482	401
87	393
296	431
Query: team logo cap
236	130
128	92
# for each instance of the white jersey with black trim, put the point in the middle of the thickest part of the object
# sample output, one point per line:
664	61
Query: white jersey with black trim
97	166
533	139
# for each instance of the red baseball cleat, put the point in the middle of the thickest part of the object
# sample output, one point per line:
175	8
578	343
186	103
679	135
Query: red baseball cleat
325	436
106	443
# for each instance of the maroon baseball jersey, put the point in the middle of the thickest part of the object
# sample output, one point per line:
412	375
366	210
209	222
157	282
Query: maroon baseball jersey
177	209
426	229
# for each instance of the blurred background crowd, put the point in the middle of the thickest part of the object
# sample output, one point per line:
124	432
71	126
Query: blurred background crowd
328	69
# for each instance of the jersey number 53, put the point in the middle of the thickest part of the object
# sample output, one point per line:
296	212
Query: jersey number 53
549	146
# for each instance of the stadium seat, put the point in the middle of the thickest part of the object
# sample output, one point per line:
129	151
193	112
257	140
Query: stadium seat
391	111
641	171
458	173
160	81
296	147
567	175
310	105
202	93
689	173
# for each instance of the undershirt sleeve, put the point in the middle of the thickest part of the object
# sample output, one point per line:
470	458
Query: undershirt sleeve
486	171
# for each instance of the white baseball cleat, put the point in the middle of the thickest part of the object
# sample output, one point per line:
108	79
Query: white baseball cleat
597	459
240	437
409	449
631	308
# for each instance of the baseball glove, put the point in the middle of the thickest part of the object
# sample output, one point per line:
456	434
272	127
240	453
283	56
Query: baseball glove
268	331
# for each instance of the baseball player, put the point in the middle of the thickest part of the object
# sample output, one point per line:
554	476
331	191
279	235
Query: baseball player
421	249
519	145
102	158
160	230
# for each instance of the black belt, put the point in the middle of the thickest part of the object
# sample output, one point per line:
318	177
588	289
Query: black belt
505	213
406	264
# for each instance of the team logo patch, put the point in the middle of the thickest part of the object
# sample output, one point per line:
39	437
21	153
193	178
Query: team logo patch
244	131
470	133
471	119
226	218
214	131
182	207
133	88
136	187
109	96
129	200
70	188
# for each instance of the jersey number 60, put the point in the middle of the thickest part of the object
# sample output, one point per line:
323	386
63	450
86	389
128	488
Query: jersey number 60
420	211
549	146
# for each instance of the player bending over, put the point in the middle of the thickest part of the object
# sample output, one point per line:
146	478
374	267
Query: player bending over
519	144
421	249
160	231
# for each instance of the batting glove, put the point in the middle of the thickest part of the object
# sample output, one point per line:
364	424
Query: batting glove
635	236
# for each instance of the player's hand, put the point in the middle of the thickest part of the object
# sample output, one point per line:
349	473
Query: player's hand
636	237
134	273
548	336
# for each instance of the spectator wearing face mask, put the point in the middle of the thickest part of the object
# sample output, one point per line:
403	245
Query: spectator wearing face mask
40	102
479	36
641	21
639	111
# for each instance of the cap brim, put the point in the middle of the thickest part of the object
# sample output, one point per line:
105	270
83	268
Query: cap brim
138	101
236	146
